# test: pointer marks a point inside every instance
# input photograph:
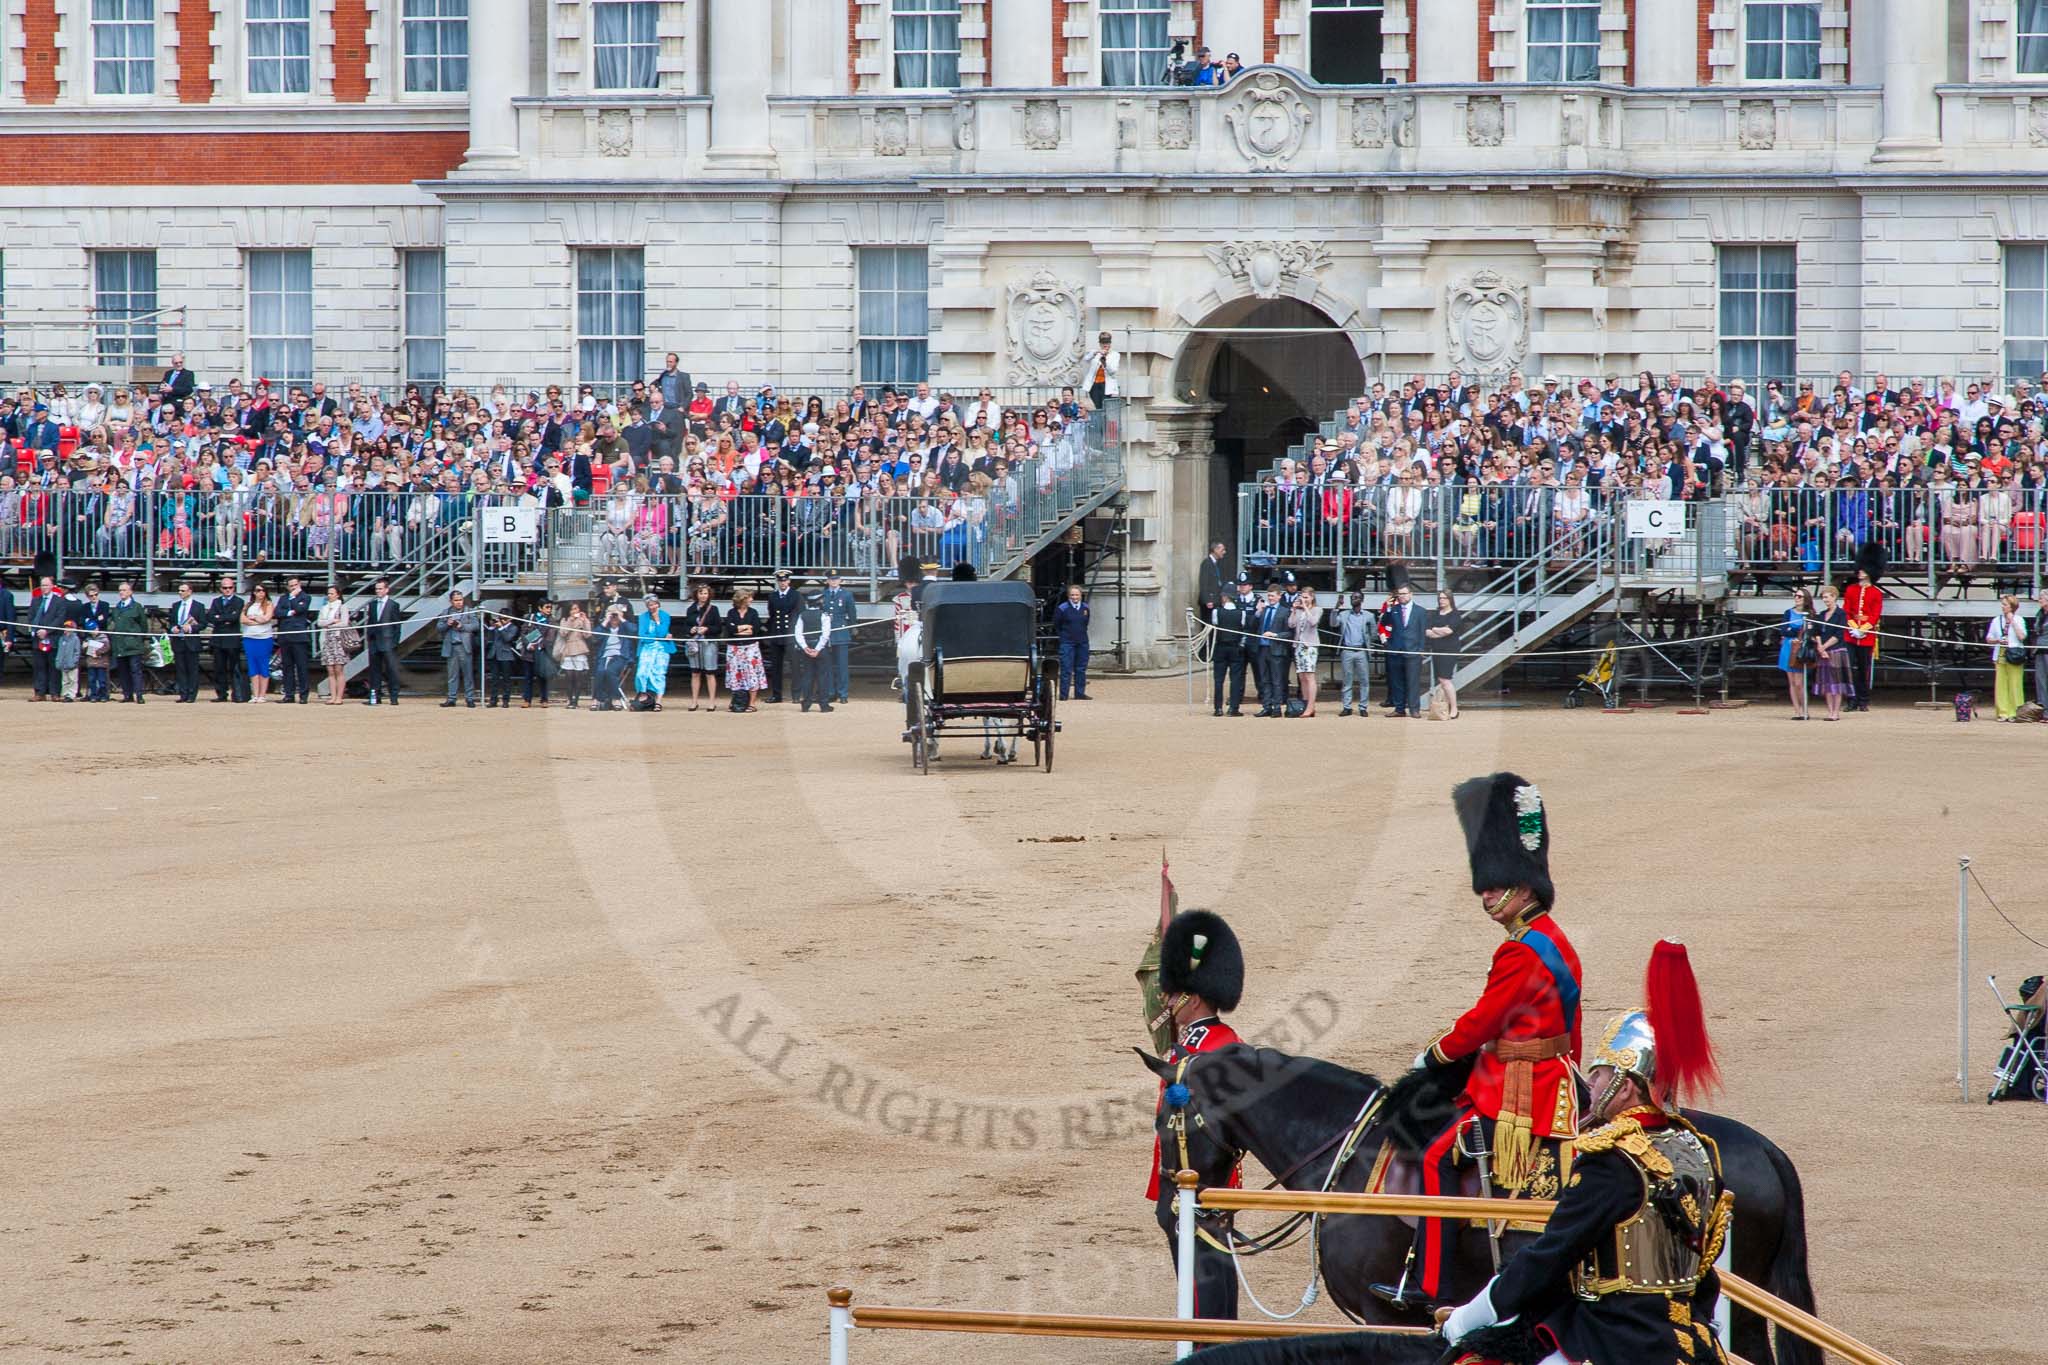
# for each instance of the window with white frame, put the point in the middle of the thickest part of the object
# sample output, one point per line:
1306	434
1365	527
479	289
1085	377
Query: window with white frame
1759	313
1564	40
281	316
279	39
124	307
624	43
894	314
1134	41
926	38
1781	40
2030	33
1344	43
611	311
436	34
426	316
124	47
2026	310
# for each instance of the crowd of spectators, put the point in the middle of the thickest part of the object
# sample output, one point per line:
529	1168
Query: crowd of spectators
1947	471
688	480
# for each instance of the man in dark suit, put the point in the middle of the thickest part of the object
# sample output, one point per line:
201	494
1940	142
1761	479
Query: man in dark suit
1214	587
47	618
224	618
295	639
41	433
178	382
8	616
839	606
782	608
380	645
731	403
188	619
670	425
673	384
1275	644
1404	622
639	437
1235	621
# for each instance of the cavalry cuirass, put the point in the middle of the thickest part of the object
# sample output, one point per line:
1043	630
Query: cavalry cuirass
1663	1249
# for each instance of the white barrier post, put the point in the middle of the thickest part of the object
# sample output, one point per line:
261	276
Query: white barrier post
1184	1289
1963	978
842	1319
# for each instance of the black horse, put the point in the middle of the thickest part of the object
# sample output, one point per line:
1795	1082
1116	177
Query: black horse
1285	1110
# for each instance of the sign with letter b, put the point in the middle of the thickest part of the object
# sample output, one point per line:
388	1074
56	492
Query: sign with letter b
511	525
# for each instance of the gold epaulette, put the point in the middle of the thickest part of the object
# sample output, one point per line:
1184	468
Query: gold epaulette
1626	1135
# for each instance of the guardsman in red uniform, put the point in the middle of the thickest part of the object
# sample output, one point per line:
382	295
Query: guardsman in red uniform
1863	604
1201	975
1520	1040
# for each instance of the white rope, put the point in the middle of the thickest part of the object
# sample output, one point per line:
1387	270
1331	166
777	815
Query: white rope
1315	1227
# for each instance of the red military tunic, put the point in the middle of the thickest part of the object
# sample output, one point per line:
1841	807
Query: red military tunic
1522	1005
1864	606
1204	1035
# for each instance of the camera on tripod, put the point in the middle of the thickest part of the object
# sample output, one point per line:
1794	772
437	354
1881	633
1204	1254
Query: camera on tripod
1178	69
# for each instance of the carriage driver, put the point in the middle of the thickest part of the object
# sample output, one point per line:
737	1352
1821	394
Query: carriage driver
1201	977
1519	1041
1624	1272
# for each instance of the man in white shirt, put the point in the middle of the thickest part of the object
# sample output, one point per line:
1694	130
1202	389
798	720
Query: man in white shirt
924	405
1100	373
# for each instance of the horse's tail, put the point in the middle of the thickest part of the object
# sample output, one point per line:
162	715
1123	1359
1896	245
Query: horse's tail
1788	1274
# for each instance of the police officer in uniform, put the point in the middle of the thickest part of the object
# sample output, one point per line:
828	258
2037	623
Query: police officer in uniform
1236	620
813	641
1624	1271
779	654
1201	978
1509	1056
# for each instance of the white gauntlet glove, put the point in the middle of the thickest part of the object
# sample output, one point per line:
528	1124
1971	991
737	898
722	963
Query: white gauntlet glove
1470	1317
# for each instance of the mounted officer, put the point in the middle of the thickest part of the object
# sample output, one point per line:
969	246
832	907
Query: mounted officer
1508	1058
1201	978
1624	1272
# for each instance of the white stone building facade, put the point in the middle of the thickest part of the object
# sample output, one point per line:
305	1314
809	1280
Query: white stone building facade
814	192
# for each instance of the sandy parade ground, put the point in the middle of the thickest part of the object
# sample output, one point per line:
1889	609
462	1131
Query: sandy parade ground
339	1034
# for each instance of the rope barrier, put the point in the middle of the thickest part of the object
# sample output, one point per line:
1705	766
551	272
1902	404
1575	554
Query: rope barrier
2001	913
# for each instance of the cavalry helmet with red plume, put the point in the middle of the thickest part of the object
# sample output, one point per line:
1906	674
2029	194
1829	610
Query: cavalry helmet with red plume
1664	1045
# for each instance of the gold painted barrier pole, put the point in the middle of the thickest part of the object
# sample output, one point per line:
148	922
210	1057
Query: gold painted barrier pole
1207	1330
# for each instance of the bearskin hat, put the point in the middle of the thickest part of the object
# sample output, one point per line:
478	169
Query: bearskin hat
1507	834
963	572
1870	560
910	569
1199	955
1397	576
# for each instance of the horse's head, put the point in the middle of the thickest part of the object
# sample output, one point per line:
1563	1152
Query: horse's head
1243	1100
1193	1123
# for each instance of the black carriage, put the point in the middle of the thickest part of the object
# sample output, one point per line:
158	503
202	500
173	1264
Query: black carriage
981	663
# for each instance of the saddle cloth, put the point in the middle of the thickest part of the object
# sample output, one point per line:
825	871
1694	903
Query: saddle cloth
1398	1172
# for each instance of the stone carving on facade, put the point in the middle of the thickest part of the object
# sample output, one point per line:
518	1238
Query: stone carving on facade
1757	126
1269	268
1404	121
1485	121
963	126
615	133
1269	120
1573	122
1368	123
1176	124
1042	124
892	132
2037	123
1488	318
1044	326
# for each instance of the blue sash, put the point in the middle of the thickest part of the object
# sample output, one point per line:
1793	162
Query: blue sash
1553	961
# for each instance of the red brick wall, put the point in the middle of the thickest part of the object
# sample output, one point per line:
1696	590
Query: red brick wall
1628	11
852	46
39	30
1414	37
1706	40
256	158
1272	49
195	52
1485	39
1059	42
351	51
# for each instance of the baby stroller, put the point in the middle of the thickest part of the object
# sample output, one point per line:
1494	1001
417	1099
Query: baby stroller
1599	680
2023	1066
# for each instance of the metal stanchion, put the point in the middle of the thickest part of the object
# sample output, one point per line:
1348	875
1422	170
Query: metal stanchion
842	1319
1184	1247
1963	978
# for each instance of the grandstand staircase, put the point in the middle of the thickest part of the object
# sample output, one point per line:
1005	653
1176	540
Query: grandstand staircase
424	589
1533	601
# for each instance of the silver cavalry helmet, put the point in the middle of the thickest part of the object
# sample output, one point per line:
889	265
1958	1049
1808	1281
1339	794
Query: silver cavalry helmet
1629	1045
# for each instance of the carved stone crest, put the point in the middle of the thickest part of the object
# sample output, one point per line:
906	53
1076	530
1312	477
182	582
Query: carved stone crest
1404	121
1269	121
892	132
615	133
963	126
2037	123
1176	124
1488	317
1757	126
1486	121
1269	268
1042	124
1368	123
1044	326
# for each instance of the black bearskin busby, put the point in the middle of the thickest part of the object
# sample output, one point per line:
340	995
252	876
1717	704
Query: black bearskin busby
963	572
1870	560
910	569
1397	577
1200	956
1507	834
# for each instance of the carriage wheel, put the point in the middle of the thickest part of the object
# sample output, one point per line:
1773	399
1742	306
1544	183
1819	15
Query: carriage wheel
1046	728
913	701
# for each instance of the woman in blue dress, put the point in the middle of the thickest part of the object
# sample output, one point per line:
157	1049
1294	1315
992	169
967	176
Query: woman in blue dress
1790	661
657	645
